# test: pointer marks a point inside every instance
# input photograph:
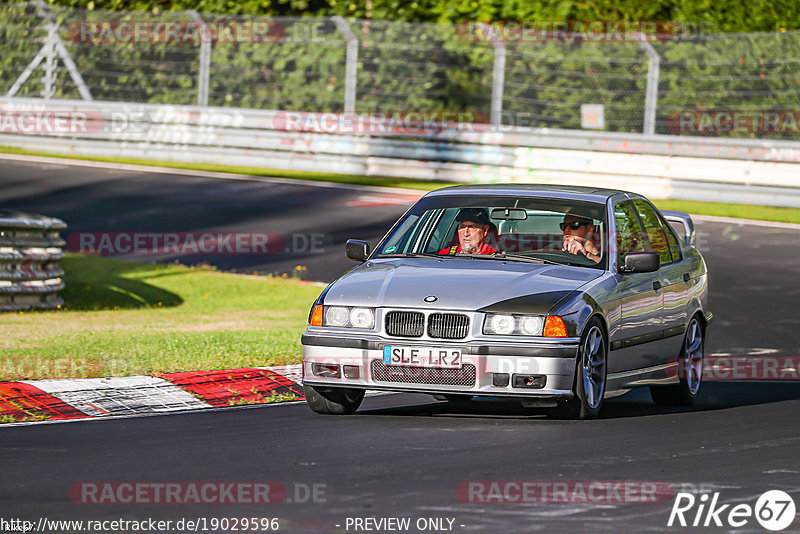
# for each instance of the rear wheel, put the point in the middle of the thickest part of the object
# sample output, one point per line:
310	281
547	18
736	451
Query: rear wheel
590	376
690	370
338	401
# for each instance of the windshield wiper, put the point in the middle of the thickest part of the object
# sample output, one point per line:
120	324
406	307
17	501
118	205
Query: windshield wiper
504	256
530	259
500	256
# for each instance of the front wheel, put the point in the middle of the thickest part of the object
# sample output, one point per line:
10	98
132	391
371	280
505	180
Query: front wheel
338	401
590	376
690	371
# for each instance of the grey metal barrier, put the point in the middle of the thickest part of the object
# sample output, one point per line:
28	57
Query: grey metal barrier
750	171
30	251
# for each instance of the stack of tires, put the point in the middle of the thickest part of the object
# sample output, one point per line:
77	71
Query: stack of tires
31	249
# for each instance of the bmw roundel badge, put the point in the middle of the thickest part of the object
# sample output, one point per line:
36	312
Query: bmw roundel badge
431	298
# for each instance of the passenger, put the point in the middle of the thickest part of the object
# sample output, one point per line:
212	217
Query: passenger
579	236
473	225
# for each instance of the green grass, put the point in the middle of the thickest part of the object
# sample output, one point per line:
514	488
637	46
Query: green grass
739	211
122	319
720	209
264	399
4	419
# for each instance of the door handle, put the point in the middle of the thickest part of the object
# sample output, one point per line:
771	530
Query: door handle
656	285
686	277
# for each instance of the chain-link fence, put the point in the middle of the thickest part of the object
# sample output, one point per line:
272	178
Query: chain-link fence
685	85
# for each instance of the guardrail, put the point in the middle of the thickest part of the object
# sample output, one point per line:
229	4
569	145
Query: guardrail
691	168
30	252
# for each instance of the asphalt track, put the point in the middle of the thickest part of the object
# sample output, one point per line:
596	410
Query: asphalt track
406	455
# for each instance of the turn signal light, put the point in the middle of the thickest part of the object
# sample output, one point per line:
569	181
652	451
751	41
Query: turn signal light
316	316
554	327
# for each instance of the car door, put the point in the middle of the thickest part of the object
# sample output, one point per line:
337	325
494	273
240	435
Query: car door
674	276
635	343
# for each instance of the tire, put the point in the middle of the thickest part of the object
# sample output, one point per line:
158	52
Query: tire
591	371
690	370
333	401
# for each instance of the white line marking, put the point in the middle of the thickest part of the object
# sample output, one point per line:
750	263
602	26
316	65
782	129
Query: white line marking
749	222
207	174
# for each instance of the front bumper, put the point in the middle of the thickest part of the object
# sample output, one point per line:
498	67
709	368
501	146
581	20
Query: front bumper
554	359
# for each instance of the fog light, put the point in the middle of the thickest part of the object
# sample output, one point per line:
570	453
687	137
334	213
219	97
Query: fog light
530	381
351	371
500	380
326	370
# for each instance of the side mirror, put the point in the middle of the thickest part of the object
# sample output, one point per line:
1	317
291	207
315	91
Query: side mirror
684	220
356	250
641	262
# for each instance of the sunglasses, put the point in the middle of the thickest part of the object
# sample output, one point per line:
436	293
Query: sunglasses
573	225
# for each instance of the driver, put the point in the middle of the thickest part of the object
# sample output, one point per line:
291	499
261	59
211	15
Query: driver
473	225
579	236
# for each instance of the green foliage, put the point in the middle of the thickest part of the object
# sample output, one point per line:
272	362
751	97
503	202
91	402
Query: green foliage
725	15
408	66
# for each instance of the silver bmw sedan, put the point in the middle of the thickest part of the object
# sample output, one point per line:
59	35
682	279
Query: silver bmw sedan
558	296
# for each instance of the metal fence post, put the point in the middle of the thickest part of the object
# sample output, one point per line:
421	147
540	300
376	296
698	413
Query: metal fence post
498	82
49	78
351	63
651	92
53	41
205	59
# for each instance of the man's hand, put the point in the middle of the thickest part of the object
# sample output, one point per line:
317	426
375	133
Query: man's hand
574	245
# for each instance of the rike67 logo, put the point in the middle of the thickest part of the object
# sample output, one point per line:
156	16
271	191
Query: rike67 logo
774	510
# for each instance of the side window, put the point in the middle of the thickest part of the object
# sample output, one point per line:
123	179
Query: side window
672	239
444	231
656	236
629	234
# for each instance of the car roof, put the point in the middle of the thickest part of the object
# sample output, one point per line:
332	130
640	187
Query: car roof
567	192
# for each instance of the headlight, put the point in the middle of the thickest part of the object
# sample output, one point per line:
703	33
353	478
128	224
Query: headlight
513	325
336	316
502	324
531	325
362	318
341	316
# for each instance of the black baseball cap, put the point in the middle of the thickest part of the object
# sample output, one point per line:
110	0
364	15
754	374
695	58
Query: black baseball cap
477	215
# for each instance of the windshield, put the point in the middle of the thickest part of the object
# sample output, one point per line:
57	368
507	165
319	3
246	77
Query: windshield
502	228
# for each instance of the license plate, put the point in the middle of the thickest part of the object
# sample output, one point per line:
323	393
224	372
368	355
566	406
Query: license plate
435	357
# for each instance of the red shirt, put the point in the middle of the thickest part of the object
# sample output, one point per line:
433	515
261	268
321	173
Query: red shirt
485	249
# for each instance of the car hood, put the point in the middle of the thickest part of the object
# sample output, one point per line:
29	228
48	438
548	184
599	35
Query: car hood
457	284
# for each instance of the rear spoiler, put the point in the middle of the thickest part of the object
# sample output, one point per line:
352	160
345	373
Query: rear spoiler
684	219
